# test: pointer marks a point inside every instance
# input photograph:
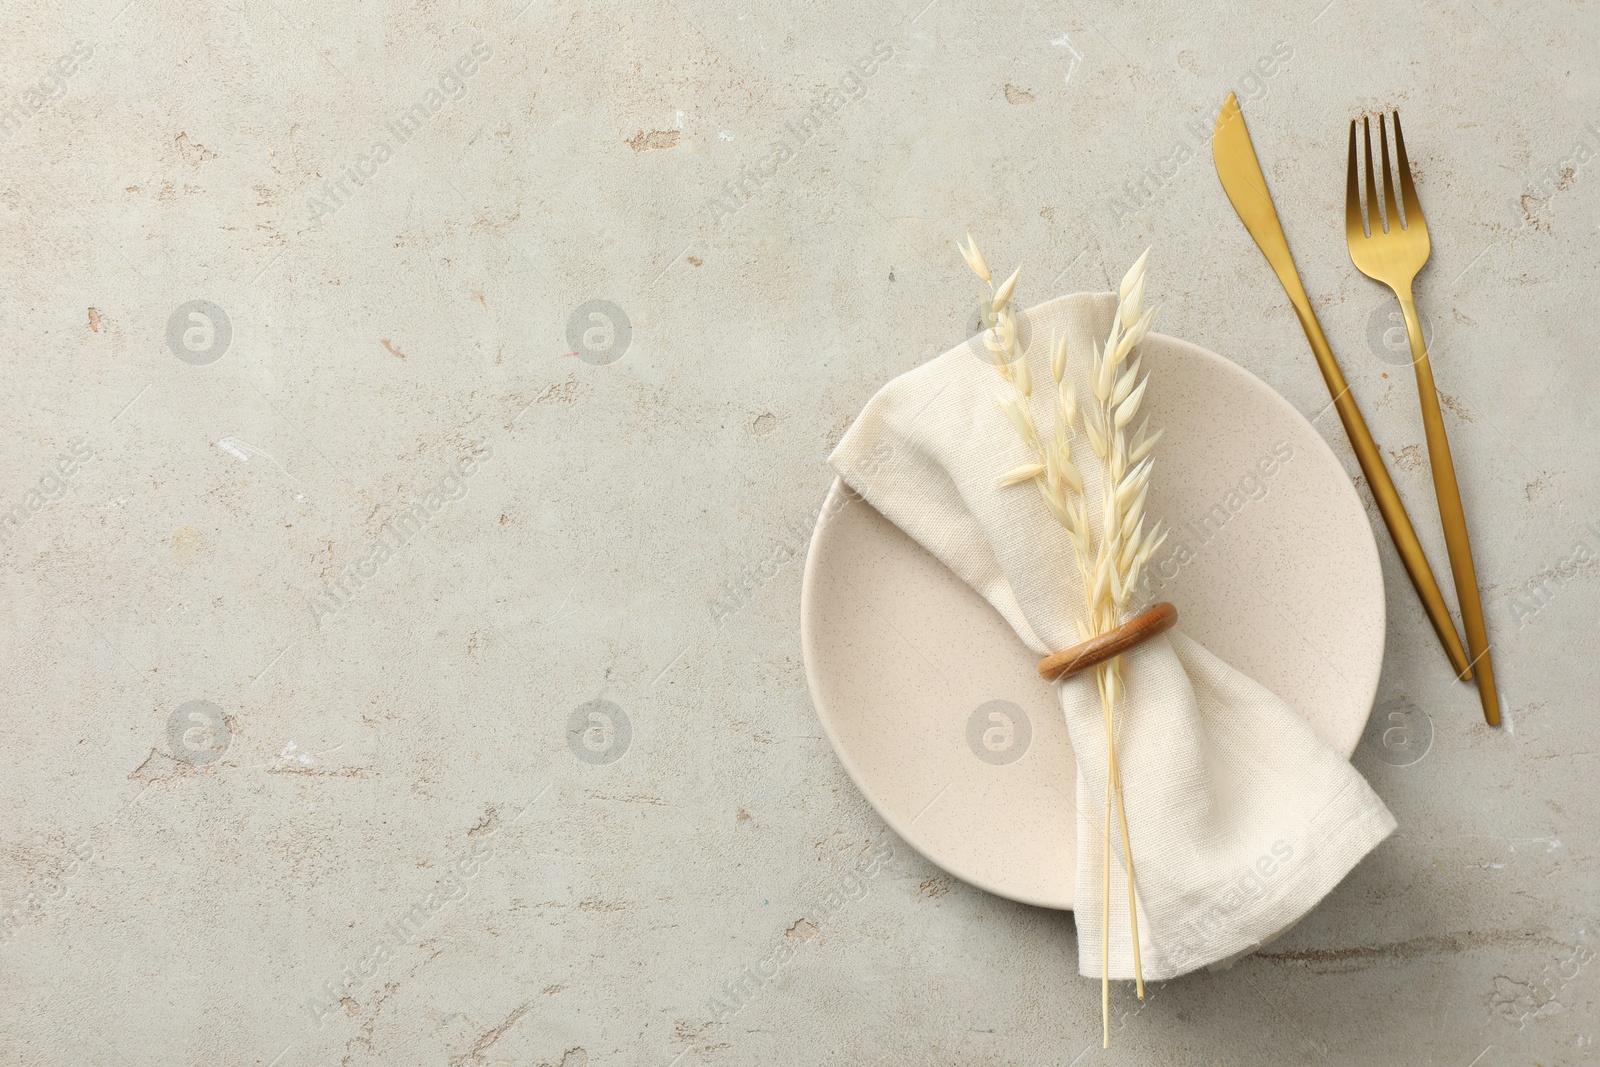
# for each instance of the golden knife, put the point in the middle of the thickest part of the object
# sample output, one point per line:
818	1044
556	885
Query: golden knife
1246	187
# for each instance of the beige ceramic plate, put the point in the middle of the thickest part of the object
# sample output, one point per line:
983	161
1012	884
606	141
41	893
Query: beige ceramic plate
934	706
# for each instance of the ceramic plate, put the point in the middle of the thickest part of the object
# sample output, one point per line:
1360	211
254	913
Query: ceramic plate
934	705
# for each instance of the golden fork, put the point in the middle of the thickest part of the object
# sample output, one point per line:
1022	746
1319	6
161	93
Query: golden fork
1393	253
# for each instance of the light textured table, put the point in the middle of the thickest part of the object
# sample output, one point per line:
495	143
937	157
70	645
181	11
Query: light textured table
401	662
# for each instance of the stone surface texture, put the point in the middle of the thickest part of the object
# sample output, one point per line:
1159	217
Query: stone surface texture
414	420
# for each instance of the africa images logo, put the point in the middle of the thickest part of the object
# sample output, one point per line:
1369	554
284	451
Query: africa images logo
16	112
1192	536
51	486
451	84
410	518
852	86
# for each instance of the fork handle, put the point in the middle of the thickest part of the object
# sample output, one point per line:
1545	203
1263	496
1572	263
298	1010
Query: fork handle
1384	494
1451	514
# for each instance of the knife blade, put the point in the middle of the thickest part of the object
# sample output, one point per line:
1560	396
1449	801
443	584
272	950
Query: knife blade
1246	186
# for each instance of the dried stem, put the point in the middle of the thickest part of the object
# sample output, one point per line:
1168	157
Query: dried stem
1105	927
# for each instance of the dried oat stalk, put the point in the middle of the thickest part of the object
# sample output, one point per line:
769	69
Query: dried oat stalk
1112	555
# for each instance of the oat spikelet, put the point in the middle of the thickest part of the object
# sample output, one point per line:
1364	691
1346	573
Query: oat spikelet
1025	473
974	258
1002	295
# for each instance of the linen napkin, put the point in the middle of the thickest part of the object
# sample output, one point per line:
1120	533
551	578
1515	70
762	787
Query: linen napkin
1241	818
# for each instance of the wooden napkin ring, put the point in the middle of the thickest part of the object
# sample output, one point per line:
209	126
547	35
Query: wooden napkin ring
1137	630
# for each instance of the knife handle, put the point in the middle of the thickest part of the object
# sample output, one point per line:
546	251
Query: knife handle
1387	496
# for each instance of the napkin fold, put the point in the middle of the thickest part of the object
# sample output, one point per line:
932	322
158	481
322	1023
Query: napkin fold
1241	818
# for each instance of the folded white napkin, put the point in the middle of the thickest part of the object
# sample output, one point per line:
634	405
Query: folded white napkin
1241	818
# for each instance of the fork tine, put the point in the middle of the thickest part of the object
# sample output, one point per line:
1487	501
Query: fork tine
1374	220
1407	190
1391	206
1353	222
